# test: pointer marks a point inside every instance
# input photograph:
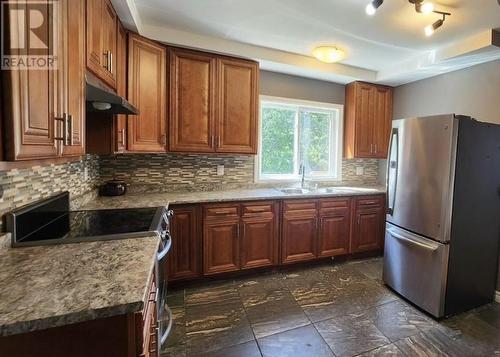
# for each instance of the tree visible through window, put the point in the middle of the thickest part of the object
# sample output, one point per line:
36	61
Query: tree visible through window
298	132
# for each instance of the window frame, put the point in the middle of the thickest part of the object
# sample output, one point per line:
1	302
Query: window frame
335	147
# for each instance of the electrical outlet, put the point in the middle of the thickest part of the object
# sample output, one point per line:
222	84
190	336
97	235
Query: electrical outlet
220	170
360	170
85	173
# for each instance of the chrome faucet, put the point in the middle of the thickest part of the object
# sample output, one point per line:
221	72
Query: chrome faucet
302	171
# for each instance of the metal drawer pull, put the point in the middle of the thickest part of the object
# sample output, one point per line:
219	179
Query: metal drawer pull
222	212
411	241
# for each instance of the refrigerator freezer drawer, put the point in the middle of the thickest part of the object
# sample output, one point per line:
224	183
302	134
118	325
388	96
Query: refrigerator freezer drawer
416	268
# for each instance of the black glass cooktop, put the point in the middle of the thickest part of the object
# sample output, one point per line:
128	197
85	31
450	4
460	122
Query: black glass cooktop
52	223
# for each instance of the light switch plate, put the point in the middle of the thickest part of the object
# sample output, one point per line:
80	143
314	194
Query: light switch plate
220	170
359	170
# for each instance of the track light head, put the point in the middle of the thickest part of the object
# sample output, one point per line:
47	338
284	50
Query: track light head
429	30
424	7
372	7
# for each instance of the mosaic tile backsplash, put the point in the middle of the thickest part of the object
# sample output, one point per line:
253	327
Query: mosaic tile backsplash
22	186
145	172
172	172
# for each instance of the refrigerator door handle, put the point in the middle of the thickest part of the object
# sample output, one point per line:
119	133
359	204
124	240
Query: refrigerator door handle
393	164
431	247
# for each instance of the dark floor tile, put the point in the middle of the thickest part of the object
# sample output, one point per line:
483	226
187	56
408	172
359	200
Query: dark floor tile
248	349
351	335
397	320
490	313
304	342
470	330
216	326
213	294
372	268
434	342
174	351
385	351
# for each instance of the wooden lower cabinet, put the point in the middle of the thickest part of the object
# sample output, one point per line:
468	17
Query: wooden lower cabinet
368	224
185	256
299	236
221	245
259	236
334	228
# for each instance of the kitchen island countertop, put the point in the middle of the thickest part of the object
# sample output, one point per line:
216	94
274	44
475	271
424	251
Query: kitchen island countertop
54	285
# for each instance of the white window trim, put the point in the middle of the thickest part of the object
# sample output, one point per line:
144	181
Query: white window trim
296	178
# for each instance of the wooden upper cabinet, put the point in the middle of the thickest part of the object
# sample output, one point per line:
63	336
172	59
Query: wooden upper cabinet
185	257
147	92
75	77
101	40
120	127
109	20
32	99
368	117
95	57
213	103
237	109
192	101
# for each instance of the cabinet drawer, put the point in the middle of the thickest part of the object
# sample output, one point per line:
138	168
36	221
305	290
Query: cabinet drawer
261	207
220	211
334	203
370	201
298	205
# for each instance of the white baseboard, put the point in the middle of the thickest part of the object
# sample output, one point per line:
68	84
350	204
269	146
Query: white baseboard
497	296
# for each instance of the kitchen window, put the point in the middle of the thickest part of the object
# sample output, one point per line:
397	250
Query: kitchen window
295	133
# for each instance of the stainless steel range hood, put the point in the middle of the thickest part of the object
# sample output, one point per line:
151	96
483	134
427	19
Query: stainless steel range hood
102	99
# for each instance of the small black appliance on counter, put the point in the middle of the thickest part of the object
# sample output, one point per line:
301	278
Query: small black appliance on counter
113	188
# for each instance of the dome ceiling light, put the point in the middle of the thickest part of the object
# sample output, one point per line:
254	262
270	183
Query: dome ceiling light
421	6
328	54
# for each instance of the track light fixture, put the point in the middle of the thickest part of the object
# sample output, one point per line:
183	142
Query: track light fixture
372	7
421	6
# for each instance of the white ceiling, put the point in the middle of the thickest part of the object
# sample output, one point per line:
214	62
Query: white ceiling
292	28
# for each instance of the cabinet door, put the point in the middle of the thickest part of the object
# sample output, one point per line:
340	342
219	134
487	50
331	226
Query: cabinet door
33	99
334	229
365	99
382	122
185	257
120	128
95	55
221	248
147	92
259	239
75	75
108	29
237	111
299	236
192	101
368	229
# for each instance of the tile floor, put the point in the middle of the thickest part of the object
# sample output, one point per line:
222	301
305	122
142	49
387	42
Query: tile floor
326	310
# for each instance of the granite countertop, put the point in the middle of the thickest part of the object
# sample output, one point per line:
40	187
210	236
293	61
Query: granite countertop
133	200
55	285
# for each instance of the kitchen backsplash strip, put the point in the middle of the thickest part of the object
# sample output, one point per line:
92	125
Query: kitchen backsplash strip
22	186
173	172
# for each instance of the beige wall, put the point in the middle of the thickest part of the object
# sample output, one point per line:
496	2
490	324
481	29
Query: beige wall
287	86
474	91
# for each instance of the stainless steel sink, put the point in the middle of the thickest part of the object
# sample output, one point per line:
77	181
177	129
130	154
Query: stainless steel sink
295	191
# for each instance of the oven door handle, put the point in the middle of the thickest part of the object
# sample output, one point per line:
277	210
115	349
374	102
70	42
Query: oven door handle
165	250
165	334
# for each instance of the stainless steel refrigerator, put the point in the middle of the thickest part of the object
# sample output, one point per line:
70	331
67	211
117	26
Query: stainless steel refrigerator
443	222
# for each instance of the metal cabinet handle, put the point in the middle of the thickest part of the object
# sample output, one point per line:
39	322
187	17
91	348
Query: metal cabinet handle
67	131
106	57
218	141
213	141
111	69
